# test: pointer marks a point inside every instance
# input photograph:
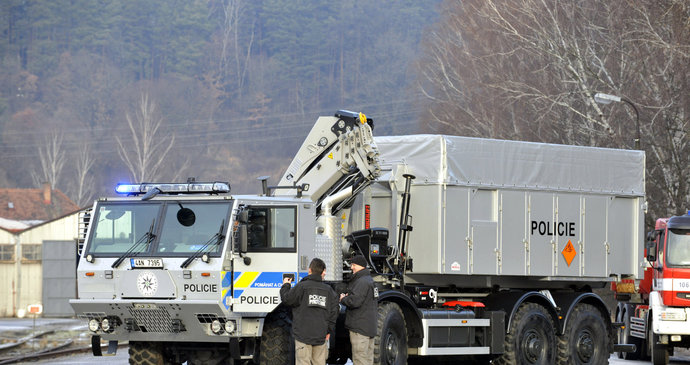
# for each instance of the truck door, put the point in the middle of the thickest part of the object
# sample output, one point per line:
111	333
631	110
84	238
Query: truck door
272	248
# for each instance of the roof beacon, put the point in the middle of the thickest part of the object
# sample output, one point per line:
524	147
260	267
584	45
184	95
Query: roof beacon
176	188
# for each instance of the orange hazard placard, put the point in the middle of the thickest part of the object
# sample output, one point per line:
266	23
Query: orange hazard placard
569	253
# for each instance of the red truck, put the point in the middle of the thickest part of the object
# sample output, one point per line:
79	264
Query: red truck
656	311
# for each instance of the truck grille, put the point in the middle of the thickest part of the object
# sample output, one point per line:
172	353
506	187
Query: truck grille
152	319
208	318
92	315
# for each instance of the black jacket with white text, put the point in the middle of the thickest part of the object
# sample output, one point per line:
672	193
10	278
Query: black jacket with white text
314	309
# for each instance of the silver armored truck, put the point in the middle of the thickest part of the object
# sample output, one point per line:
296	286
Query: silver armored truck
478	247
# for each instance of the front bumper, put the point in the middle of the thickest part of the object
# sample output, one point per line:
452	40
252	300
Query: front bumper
679	325
164	320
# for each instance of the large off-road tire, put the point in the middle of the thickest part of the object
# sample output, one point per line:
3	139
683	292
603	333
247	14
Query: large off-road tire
585	340
531	338
390	343
659	353
206	357
277	345
624	336
145	353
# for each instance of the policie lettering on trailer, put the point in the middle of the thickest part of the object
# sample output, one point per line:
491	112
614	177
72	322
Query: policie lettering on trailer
544	228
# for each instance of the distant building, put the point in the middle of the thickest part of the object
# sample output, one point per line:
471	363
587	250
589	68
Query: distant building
38	238
33	206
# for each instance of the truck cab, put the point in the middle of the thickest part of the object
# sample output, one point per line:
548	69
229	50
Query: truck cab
668	252
200	267
189	272
657	314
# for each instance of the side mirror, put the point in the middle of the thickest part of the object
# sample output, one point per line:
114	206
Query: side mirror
651	236
243	216
242	235
186	217
651	247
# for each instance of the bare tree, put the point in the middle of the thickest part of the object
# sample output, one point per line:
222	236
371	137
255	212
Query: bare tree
235	51
84	186
528	69
145	152
51	158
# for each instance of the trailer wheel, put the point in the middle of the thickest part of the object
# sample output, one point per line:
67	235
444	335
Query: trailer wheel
585	340
624	336
658	352
277	345
145	353
390	343
531	338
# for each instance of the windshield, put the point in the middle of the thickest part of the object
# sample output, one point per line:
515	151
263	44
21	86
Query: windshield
197	224
678	247
180	228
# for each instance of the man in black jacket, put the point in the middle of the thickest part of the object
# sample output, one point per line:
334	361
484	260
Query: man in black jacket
314	312
361	301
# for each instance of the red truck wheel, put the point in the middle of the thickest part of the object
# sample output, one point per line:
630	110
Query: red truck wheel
658	352
624	336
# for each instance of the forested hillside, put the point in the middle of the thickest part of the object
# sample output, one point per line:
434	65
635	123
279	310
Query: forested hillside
97	92
94	92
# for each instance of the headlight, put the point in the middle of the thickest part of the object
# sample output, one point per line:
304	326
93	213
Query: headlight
93	325
230	326
672	315
216	327
105	325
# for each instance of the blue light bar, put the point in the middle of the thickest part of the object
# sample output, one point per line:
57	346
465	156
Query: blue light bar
175	188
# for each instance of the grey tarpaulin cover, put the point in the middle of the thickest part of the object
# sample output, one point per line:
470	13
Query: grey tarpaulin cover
436	159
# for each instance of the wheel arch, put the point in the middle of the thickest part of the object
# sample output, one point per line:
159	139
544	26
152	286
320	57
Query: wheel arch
413	318
510	302
567	302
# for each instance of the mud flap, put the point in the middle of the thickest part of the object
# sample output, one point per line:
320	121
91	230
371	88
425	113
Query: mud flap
235	348
96	347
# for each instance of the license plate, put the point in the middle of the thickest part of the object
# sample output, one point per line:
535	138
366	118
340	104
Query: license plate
146	263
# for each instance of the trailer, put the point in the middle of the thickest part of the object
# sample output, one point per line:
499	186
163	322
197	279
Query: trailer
525	229
478	247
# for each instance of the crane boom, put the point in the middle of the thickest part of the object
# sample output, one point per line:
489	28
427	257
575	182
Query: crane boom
338	153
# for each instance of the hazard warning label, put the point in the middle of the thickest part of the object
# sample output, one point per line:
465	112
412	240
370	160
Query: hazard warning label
569	253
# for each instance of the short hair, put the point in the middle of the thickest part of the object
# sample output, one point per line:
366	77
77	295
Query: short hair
317	266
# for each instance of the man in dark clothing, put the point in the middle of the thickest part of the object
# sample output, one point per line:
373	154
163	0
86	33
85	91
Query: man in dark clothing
314	312
361	301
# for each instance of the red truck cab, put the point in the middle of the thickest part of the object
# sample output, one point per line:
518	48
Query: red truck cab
668	251
656	315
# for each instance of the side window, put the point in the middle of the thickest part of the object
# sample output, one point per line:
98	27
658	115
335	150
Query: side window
7	252
271	229
283	227
31	252
256	229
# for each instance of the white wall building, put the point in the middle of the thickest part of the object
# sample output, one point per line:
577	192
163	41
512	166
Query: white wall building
38	244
